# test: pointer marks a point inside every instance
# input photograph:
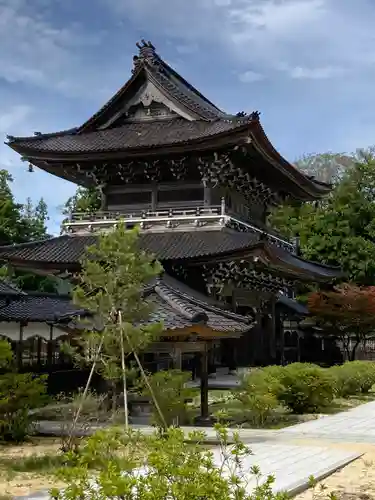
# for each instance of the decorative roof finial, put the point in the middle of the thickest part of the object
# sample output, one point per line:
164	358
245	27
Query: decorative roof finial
146	53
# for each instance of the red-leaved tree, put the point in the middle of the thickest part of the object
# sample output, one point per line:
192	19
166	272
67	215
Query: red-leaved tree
346	313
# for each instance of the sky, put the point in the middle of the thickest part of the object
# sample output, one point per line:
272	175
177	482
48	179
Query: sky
307	65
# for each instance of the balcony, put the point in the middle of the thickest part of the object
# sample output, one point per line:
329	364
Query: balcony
168	219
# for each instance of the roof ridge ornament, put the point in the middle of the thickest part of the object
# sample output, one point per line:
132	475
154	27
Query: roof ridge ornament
146	53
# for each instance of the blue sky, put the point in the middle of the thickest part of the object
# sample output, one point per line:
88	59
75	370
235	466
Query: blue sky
307	65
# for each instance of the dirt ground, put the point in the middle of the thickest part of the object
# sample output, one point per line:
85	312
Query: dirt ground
23	483
356	481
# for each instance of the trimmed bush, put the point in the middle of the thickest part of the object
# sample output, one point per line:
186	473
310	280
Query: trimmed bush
306	388
353	377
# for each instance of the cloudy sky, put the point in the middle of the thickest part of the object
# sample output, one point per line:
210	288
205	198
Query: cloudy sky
307	65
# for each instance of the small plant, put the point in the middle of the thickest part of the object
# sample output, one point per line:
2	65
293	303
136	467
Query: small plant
115	464
258	396
92	408
172	395
306	388
258	408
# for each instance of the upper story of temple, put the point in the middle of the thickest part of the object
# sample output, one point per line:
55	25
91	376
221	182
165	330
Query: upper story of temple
165	157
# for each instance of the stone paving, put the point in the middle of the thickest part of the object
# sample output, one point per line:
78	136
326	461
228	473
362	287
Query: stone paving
356	425
293	464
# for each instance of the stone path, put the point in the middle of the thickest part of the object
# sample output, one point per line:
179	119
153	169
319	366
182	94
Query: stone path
293	464
353	426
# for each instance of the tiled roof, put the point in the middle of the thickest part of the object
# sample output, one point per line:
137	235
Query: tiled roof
139	135
176	305
313	269
68	249
9	288
150	66
293	305
179	306
36	308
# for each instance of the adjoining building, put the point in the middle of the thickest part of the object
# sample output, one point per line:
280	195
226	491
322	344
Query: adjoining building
200	183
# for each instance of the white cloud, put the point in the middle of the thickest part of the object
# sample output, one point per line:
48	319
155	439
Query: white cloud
300	73
34	50
301	33
38	184
13	116
250	77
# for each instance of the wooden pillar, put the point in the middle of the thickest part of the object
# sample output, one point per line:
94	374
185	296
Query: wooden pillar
50	346
177	358
272	325
154	198
39	350
103	198
204	383
207	195
282	342
19	347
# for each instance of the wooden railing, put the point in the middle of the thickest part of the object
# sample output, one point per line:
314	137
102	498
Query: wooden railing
200	216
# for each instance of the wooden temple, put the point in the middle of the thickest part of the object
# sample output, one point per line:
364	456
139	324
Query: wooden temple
200	183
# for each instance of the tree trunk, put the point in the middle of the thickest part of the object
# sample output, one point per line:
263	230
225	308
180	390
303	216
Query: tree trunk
354	351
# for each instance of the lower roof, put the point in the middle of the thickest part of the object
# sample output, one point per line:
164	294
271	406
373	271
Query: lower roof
178	306
36	307
69	249
64	253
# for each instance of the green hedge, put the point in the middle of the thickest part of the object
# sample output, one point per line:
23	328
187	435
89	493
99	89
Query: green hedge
304	387
353	377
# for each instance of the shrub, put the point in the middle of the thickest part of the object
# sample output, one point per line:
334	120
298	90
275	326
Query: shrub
171	393
161	467
257	408
19	393
306	388
353	377
258	395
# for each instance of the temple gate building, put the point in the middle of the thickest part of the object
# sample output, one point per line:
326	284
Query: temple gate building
200	183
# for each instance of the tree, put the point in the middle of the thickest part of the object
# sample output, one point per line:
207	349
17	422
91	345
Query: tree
19	223
84	200
22	223
340	229
326	167
111	284
347	313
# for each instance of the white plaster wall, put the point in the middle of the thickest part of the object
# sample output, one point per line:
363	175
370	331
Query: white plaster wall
12	331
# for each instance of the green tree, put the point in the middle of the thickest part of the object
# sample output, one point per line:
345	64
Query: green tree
326	167
84	200
19	223
114	274
340	229
22	223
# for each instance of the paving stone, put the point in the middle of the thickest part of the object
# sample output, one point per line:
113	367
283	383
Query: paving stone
355	425
290	464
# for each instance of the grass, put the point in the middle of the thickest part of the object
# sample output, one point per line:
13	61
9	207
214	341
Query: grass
41	464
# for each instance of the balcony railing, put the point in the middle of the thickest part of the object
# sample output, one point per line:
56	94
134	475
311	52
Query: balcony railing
164	218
